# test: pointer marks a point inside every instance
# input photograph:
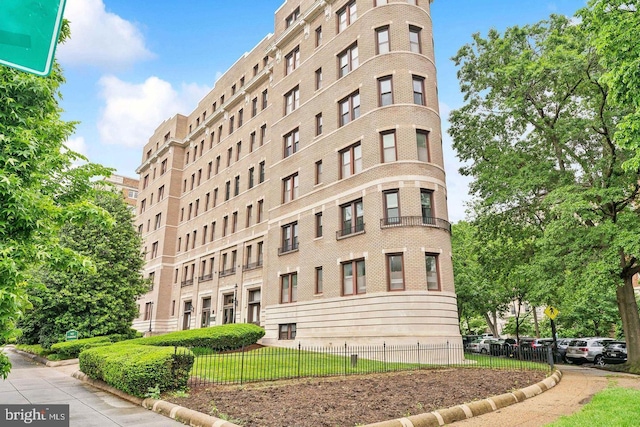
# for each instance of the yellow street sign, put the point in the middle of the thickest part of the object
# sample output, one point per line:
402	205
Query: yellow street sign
551	312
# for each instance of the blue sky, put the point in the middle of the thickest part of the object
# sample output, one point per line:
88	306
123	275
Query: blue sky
131	64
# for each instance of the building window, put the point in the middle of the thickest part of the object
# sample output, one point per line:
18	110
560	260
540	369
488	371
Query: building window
154	250
261	172
217	165
319	124
319	78
292	61
318	36
318	280
289	237
426	197
206	313
158	221
352	217
240	117
347	15
385	92
163	167
251	170
249	215
215	197
351	161
396	272
292	18
318	172
260	211
291	100
431	262
290	188
382	39
422	139
253	307
227	190
319	224
252	142
186	316
236	186
228	308
349	108
255	70
225	224
287	331
391	207
234	222
264	99
414	39
229	156
254	107
147	310
231	122
418	90
160	193
291	142
263	134
353	278
389	146
348	60
289	288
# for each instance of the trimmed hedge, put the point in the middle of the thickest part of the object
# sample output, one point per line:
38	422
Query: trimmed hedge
36	349
224	337
71	349
135	368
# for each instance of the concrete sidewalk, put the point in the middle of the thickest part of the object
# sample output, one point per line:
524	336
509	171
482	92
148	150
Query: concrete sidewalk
577	387
30	382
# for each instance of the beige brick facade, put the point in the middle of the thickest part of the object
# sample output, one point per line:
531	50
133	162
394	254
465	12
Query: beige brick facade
231	197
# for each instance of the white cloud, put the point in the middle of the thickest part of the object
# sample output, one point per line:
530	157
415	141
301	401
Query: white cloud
132	112
100	38
78	145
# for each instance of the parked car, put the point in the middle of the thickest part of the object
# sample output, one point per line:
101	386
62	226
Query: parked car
614	352
468	339
583	350
480	346
563	343
536	343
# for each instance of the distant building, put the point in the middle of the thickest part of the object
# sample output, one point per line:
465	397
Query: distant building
306	192
128	186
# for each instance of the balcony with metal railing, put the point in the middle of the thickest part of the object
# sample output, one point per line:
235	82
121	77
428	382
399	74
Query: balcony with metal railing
288	248
350	231
415	221
185	283
252	265
205	278
227	272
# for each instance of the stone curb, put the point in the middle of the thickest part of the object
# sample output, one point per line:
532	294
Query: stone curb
473	409
176	412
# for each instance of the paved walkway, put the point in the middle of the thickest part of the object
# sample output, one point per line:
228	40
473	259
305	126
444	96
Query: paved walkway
30	382
577	387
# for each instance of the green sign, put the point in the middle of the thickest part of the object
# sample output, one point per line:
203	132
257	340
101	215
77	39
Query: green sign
72	335
29	32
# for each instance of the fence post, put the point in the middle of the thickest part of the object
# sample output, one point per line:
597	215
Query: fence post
384	355
345	359
419	366
448	352
242	365
299	348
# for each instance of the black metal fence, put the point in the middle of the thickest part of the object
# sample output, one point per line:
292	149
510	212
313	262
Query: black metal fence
257	364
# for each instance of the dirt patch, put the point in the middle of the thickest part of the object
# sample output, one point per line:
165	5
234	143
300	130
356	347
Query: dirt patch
351	401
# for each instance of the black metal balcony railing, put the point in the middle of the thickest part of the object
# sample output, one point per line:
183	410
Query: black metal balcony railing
347	231
227	272
415	221
205	278
288	247
186	283
252	265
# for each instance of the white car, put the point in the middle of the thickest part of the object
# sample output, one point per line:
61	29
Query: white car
481	345
582	350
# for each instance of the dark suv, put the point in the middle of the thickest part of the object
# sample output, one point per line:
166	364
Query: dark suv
614	352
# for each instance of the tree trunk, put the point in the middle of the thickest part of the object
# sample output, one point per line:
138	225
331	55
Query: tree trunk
535	322
490	323
628	307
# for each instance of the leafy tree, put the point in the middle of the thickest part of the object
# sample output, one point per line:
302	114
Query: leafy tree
612	28
97	303
537	132
38	190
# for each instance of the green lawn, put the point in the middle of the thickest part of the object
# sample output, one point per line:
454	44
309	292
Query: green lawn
612	407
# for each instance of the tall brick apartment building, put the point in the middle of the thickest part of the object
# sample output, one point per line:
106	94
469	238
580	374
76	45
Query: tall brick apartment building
306	192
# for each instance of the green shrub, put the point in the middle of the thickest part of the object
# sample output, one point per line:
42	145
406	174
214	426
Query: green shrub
224	337
135	368
71	349
36	349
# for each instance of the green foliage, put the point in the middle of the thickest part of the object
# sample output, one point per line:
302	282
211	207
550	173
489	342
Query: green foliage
153	392
555	207
223	337
525	327
71	349
135	368
95	304
36	349
39	191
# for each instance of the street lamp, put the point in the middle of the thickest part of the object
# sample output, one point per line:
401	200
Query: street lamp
235	303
